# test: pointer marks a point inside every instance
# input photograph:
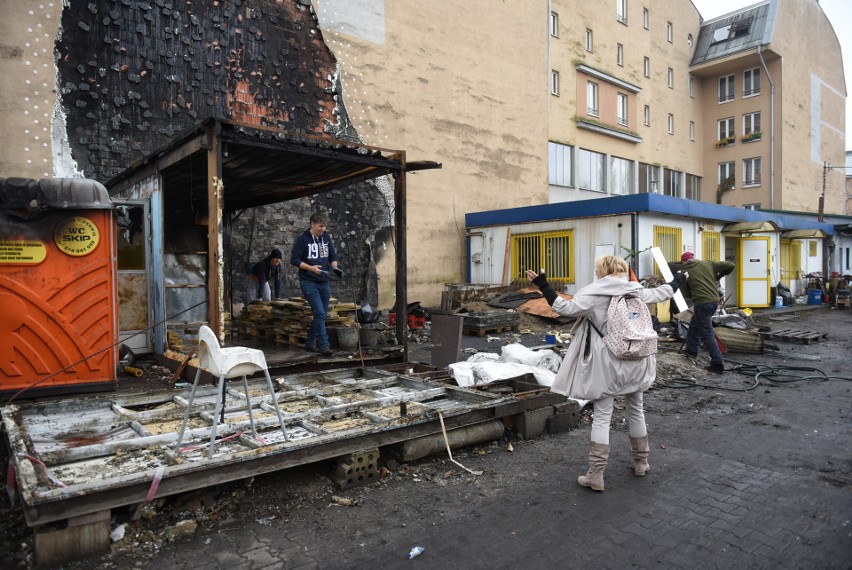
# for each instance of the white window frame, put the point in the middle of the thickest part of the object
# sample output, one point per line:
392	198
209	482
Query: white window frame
619	54
726	88
725	128
692	131
729	168
692	87
752	171
622	176
621	11
647	115
672	183
750	78
592	102
670	78
590	40
560	160
554	82
621	109
646	66
670	32
751	123
751	206
671	124
646	19
596	178
554	24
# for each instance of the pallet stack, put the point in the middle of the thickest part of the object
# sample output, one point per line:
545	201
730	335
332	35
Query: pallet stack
183	337
491	322
286	322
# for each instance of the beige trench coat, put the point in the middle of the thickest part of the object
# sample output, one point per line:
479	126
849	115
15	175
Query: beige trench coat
597	374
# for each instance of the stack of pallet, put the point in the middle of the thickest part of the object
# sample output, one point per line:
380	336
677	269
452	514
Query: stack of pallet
491	322
287	321
257	322
183	337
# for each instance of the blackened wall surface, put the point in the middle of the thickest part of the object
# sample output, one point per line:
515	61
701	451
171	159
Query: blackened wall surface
135	75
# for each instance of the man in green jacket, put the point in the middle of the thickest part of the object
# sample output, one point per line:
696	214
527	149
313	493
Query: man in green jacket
701	288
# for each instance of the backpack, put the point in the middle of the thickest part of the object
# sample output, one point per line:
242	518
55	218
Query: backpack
630	331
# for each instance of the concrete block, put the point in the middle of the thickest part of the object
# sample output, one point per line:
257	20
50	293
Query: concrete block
566	417
533	423
356	469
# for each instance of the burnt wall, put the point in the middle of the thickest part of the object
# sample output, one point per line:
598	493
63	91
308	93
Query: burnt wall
135	75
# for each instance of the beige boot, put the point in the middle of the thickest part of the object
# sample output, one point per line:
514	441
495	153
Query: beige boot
639	449
598	456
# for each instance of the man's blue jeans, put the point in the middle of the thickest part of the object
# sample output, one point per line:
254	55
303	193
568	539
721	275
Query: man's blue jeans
701	329
318	295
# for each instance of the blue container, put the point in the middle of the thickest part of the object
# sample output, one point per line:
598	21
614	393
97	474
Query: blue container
814	296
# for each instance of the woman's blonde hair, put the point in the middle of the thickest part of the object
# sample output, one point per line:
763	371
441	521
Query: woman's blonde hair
610	265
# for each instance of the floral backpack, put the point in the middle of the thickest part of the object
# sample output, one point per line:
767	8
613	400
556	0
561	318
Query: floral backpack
630	331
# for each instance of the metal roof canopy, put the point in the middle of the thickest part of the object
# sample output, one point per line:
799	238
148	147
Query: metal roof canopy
803	234
247	166
749	227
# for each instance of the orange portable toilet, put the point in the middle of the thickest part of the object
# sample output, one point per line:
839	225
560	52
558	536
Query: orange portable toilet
58	300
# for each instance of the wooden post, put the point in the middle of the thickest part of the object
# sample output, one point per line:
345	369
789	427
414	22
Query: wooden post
215	203
506	262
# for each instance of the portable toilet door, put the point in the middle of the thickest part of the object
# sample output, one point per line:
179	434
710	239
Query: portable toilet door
58	324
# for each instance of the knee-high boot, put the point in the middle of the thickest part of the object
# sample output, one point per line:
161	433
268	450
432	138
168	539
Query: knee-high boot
598	456
639	449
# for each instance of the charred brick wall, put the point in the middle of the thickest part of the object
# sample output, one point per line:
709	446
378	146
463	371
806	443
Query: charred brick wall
136	74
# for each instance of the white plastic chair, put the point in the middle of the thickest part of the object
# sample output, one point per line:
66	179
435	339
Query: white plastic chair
230	362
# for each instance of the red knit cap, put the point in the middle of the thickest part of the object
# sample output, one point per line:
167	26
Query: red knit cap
687	255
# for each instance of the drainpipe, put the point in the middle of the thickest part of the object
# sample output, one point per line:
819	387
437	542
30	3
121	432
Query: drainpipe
771	130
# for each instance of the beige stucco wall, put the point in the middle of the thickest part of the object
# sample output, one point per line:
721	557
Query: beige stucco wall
674	151
460	82
812	67
27	87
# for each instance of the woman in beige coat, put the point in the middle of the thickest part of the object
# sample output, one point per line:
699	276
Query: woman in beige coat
590	372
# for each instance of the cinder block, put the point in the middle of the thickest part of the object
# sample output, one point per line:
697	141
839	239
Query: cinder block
356	469
533	423
566	417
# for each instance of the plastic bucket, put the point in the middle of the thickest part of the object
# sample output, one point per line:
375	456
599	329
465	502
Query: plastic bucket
347	337
368	335
814	296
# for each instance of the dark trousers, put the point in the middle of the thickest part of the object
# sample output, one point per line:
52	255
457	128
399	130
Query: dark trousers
318	295
701	329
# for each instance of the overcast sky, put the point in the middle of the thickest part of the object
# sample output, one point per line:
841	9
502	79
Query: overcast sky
839	13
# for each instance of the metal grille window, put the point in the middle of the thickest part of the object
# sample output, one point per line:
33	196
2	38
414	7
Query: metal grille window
751	82
551	251
726	88
711	246
670	242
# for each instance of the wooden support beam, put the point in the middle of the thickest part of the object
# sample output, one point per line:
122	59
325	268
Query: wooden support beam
215	204
400	221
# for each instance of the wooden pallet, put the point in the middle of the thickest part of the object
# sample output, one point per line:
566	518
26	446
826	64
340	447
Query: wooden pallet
795	335
481	331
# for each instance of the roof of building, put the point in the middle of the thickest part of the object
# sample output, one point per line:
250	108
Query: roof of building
737	31
639	203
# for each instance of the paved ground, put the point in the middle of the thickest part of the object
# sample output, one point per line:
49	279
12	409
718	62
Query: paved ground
739	479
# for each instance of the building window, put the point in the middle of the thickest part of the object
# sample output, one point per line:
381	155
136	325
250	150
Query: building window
553	250
689	40
726	132
619	54
672	183
693	187
751	127
646	18
669	240
559	168
670	76
727	179
692	130
590	170
590	45
554	82
592	98
692	87
751	172
751	82
647	67
554	24
669	32
621	100
621	11
647	114
621	172
648	178
671	124
726	88
751	206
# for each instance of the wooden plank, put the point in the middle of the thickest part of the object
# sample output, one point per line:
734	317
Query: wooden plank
506	263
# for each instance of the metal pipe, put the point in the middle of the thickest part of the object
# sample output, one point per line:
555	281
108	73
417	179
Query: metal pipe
771	130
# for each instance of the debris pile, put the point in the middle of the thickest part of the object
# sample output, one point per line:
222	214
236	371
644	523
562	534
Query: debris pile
287	322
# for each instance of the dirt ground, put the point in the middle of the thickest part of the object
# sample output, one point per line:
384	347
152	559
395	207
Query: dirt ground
752	421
